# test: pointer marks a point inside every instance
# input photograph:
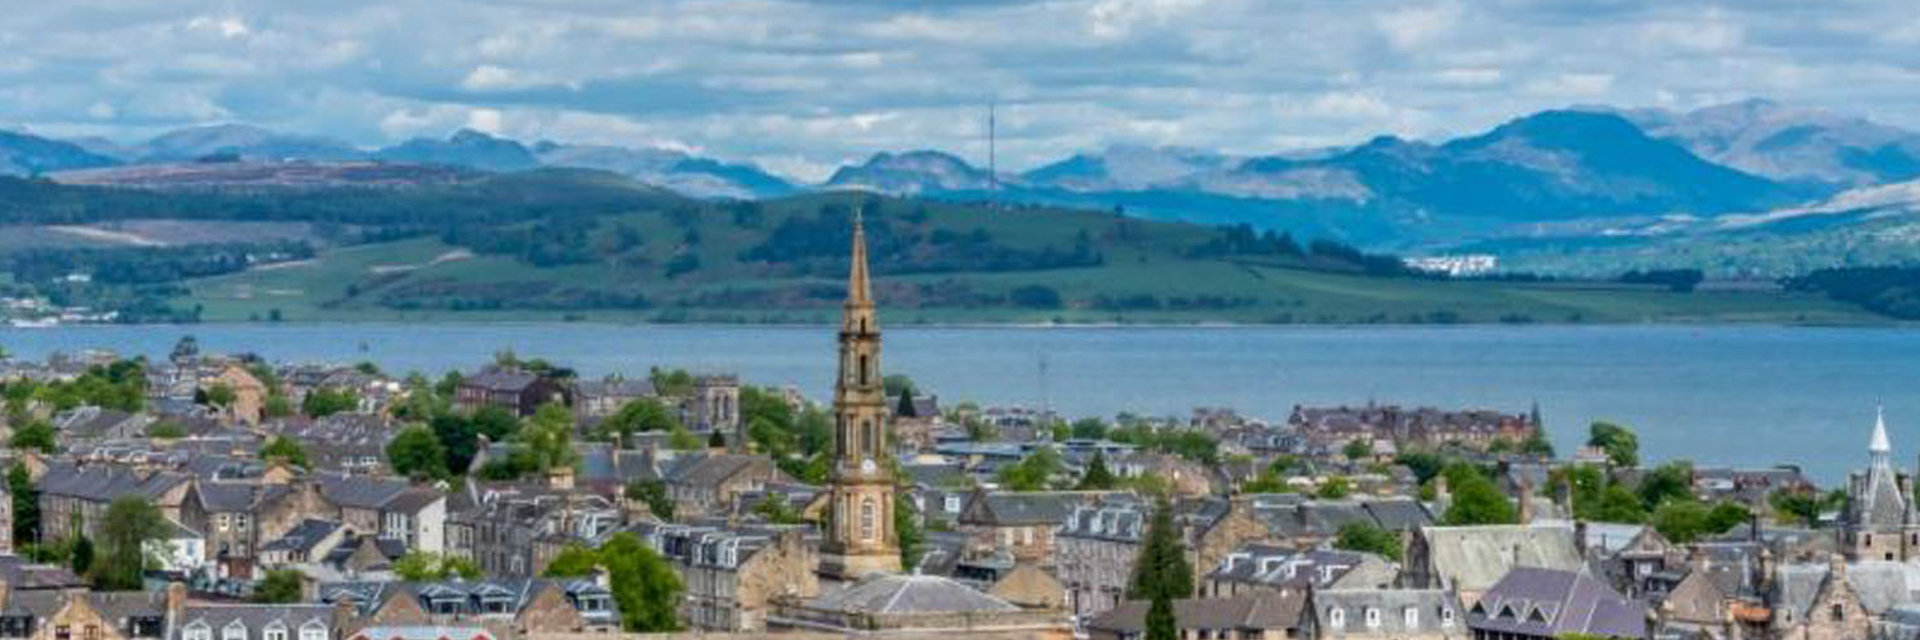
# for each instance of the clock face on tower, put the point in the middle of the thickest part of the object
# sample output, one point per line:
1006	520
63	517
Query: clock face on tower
866	466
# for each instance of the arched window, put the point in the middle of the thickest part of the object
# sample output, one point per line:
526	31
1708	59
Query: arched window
863	370
867	519
1839	613
1373	618
1336	617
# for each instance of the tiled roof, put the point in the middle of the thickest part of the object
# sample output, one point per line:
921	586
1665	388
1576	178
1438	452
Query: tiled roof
1474	558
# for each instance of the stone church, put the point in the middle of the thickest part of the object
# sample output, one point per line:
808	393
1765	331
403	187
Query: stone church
1880	522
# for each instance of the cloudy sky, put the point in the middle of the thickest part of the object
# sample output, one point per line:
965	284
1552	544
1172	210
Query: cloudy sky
802	85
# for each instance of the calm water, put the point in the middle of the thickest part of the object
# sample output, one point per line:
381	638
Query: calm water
1732	395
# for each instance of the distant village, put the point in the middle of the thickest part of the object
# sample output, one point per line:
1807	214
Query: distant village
229	496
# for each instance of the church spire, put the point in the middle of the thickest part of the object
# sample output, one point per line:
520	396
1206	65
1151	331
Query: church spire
1879	446
859	287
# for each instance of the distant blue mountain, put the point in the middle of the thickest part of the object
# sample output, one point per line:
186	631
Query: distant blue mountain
466	148
1791	144
26	155
669	168
240	141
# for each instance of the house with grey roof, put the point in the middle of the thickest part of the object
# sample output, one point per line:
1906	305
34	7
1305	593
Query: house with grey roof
704	483
1472	559
1532	603
1026	522
518	391
1264	567
606	396
234	621
94	424
507	608
1265	615
733	575
306	543
71	494
1398	614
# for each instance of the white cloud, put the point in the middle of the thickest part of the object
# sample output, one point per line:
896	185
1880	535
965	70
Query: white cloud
1412	28
484	120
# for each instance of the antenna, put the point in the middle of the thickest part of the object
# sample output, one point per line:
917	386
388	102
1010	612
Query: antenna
993	171
1046	400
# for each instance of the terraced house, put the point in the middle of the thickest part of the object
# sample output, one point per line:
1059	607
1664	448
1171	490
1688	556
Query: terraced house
734	576
503	608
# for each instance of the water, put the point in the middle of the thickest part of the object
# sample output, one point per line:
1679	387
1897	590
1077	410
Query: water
1751	396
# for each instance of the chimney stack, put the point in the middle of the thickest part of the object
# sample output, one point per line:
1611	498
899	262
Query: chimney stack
176	601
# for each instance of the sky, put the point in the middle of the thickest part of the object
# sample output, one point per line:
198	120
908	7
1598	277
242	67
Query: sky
801	86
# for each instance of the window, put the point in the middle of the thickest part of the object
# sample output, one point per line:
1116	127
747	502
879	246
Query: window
1336	617
1446	617
1839	613
198	631
1413	618
92	632
313	631
863	370
62	632
234	631
867	519
275	631
953	504
1373	618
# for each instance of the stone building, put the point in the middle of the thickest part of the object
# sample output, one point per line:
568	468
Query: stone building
1880	521
1395	614
1472	559
249	395
732	577
508	609
859	531
518	391
709	483
1542	604
1267	615
715	406
884	604
72	494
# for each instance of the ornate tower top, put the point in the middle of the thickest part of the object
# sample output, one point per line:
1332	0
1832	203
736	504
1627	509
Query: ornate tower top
860	538
1879	446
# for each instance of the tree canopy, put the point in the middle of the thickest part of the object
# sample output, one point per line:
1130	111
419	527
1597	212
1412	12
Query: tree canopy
1621	445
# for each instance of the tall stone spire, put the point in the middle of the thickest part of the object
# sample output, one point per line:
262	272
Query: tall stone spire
860	538
1880	447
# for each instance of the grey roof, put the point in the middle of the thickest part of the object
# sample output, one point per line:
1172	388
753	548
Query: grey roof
1249	612
1125	523
253	620
1881	586
1274	565
1009	508
103	483
517	593
1431	609
302	537
1474	558
896	593
1550	603
500	379
361	492
235	496
24	575
412	500
713	469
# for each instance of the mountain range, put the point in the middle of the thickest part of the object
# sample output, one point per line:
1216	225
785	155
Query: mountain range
1552	170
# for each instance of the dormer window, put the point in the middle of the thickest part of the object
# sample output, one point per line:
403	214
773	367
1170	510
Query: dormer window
276	630
1413	618
1336	617
1446	617
1373	618
234	631
313	630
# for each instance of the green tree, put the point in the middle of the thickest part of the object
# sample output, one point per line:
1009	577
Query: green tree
1476	500
1097	477
130	523
166	430
547	438
896	384
1790	506
1358	448
26	503
218	395
682	440
1335	488
574	561
420	566
285	450
416	453
640	416
1032	473
716	440
1621	445
1423	465
644	585
35	435
1537	445
280	586
1161	573
324	402
776	510
80	555
1089	429
654	494
1365	536
906	527
1669	482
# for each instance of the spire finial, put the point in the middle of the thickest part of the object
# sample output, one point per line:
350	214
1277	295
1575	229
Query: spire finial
1880	444
859	287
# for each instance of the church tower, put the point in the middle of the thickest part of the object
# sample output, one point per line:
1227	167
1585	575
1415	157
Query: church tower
860	538
1880	520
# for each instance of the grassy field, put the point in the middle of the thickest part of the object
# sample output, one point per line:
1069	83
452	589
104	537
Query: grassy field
344	284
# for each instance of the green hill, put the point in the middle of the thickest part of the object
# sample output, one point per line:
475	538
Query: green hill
937	262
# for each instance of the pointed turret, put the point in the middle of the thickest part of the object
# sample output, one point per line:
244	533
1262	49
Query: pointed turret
1879	446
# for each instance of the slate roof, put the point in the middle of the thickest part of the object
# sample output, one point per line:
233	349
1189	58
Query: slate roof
1474	558
1881	586
1121	523
22	575
360	492
1250	613
1274	565
1431	610
1550	603
712	469
897	593
412	500
1011	508
254	619
516	592
500	379
235	496
302	537
103	483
